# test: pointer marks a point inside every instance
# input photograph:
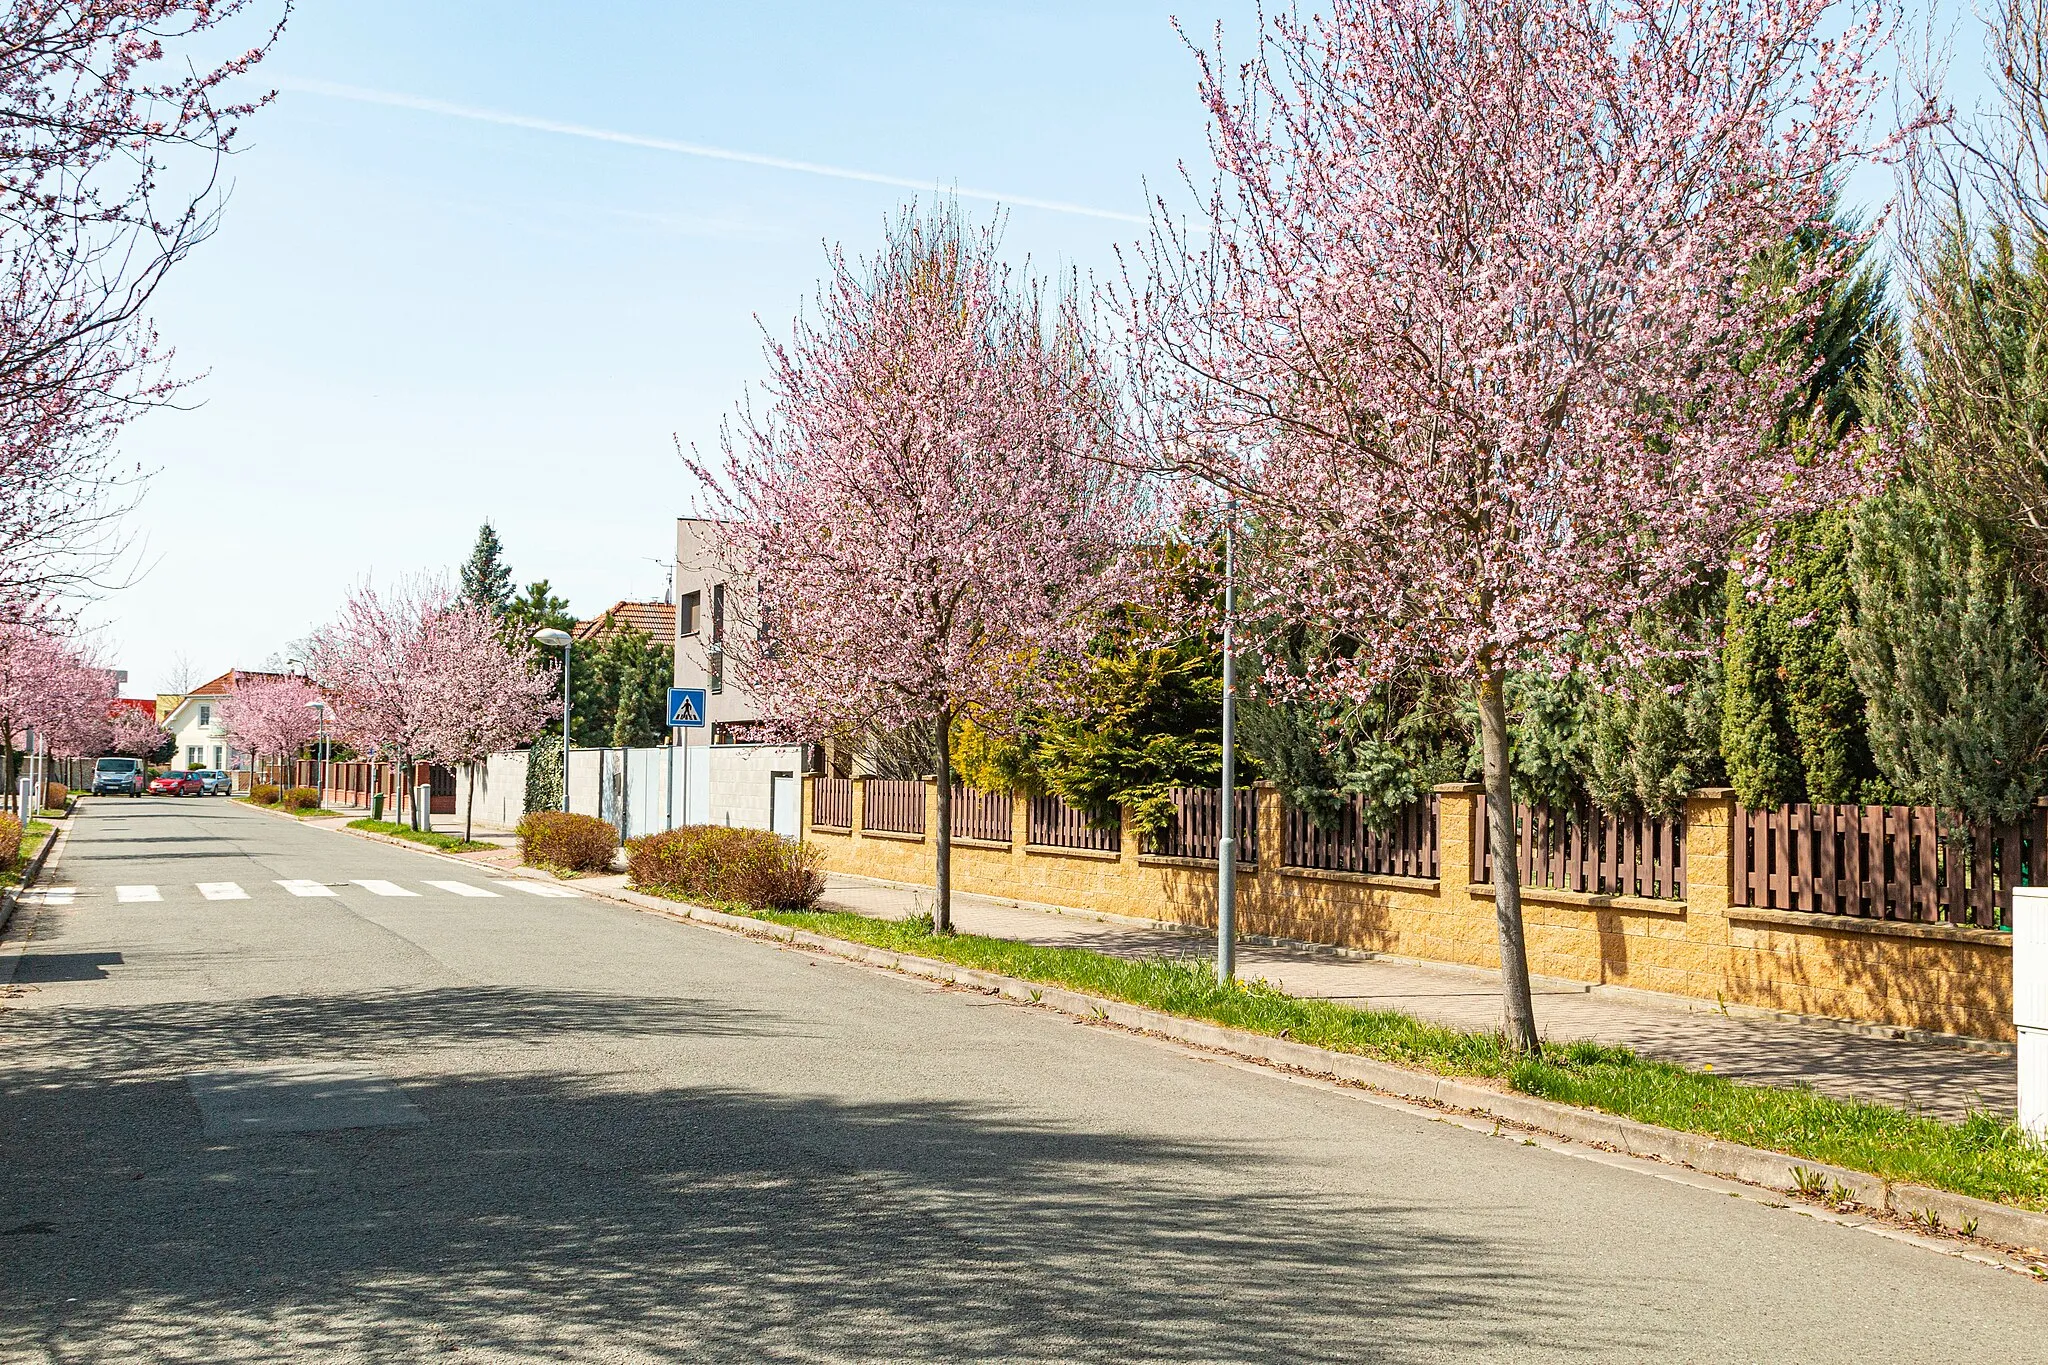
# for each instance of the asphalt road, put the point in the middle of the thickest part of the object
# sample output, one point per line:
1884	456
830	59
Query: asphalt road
586	1133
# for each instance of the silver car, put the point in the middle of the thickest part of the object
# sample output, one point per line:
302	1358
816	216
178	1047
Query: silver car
214	782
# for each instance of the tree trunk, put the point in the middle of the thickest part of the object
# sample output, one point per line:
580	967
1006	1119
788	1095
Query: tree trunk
1518	1009
942	911
469	806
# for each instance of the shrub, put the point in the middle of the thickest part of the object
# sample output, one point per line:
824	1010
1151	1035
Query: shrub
55	795
10	841
580	843
302	798
711	862
264	793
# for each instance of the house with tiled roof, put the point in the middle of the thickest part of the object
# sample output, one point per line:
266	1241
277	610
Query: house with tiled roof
194	722
657	619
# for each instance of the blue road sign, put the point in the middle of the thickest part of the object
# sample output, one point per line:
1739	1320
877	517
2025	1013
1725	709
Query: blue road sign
686	707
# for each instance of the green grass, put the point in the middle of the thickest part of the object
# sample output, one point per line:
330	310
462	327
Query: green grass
447	843
31	839
311	813
1984	1157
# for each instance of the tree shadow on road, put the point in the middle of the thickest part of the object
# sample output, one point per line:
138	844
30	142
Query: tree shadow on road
557	1219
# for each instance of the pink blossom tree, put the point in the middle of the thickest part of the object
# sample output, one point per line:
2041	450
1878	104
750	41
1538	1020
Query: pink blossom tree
114	123
133	733
372	660
1480	329
482	692
919	525
270	715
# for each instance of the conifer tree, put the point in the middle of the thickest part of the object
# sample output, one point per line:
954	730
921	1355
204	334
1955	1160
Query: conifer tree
1941	646
486	578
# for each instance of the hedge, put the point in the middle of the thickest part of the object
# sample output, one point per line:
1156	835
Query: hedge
712	862
580	843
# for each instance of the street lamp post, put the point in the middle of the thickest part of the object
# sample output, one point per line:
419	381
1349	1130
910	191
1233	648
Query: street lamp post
319	710
559	639
1226	825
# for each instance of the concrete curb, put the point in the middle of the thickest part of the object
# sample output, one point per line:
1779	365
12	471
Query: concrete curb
12	896
14	939
1751	1165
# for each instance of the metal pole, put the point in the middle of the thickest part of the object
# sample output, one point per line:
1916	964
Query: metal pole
566	650
1226	828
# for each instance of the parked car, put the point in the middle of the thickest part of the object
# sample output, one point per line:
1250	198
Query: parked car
217	783
118	777
178	784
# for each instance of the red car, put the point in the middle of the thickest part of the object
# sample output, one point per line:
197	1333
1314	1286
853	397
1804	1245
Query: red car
178	784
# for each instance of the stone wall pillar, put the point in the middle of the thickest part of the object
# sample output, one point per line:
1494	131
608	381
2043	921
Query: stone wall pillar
1460	842
859	817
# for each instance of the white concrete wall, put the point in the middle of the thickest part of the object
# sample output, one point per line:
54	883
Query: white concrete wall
500	792
723	785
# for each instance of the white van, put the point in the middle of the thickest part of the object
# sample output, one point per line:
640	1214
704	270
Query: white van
117	777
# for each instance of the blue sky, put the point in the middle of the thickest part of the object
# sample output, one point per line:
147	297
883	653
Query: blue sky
412	321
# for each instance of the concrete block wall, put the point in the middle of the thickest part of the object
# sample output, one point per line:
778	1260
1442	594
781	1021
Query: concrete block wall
1934	977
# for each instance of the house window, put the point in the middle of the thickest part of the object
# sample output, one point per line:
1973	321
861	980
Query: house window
195	755
686	613
718	613
216	758
206	715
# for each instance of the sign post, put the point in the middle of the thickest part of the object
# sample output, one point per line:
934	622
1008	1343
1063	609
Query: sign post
686	713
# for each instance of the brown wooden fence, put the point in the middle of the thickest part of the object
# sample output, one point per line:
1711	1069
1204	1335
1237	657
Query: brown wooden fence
1055	824
1197	825
896	807
1887	862
1591	850
1406	848
832	802
982	815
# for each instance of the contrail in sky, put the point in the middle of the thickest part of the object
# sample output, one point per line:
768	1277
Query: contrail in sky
395	100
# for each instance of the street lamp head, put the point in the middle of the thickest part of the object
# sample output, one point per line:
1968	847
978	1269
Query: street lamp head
552	638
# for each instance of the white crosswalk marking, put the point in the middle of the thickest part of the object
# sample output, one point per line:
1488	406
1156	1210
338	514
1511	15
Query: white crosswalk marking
137	893
222	891
299	886
541	889
464	889
51	895
379	888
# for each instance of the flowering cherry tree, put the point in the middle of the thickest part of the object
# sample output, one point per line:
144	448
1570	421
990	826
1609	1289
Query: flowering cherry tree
371	660
919	523
114	121
482	692
1480	328
49	682
269	714
133	733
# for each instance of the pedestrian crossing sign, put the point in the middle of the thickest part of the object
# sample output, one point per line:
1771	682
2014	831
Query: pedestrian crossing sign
686	707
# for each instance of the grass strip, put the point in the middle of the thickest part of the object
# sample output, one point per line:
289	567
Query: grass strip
305	813
1985	1156
447	843
32	839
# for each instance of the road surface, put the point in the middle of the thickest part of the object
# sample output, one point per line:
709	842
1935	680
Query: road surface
276	1093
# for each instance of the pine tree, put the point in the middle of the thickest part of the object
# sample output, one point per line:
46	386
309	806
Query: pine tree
486	578
1941	645
535	609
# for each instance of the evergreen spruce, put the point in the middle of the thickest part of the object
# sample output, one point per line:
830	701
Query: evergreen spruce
486	578
544	774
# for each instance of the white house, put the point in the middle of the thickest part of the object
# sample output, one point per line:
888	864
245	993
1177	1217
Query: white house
745	783
194	722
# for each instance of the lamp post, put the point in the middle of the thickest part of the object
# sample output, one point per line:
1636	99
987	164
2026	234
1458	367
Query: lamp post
559	639
319	710
1226	824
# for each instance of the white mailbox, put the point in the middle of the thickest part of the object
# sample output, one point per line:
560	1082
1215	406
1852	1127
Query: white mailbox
2030	1004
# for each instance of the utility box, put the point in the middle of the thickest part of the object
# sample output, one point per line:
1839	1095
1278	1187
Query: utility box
2030	1004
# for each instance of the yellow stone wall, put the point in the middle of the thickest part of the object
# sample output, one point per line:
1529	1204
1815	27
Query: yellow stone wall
1955	981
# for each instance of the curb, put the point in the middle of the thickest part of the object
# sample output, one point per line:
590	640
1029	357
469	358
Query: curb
1993	1222
12	896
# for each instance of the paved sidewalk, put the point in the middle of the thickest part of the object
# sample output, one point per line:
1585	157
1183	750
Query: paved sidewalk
1941	1080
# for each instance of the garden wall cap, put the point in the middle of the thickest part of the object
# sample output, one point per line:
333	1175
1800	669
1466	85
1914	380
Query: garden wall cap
1713	793
1459	788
